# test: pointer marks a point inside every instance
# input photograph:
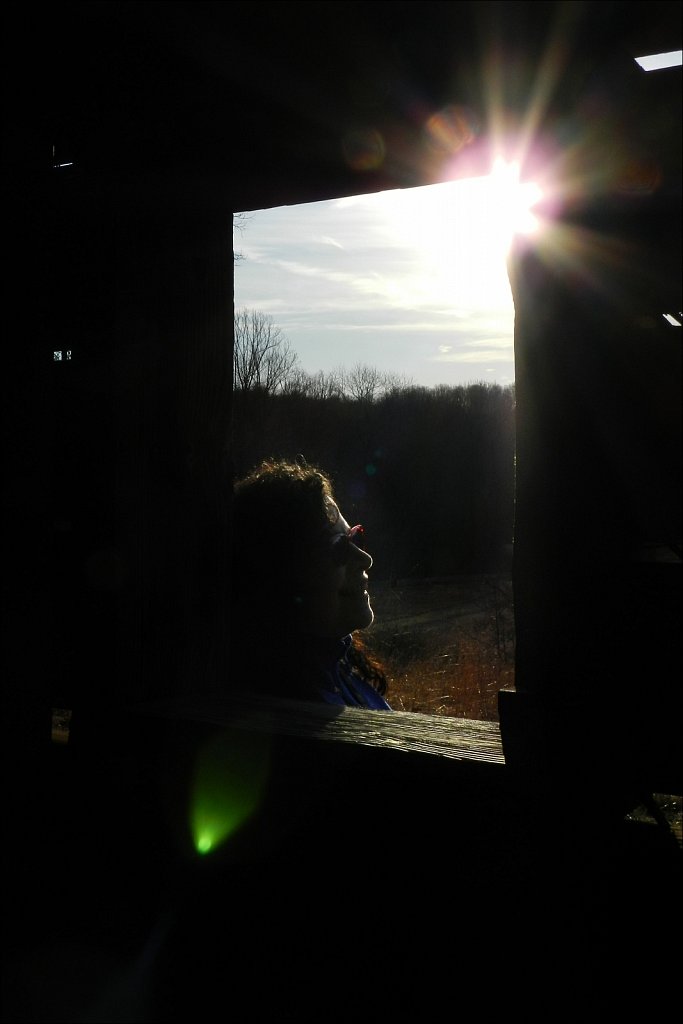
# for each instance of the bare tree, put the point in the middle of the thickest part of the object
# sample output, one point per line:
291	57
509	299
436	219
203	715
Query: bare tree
394	383
298	382
366	383
330	384
239	222
314	385
263	358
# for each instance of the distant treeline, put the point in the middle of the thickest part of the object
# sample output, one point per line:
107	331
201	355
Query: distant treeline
428	471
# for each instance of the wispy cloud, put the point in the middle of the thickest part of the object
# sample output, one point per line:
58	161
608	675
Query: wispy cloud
345	284
331	241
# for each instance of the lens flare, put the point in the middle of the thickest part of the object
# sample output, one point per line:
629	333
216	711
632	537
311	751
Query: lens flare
231	772
451	129
364	149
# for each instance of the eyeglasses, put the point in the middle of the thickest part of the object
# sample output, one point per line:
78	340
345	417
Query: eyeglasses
341	544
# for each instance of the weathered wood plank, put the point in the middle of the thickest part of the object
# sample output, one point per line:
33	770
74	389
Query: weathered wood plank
453	738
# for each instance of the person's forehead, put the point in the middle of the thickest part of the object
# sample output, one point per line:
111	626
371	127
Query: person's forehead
338	523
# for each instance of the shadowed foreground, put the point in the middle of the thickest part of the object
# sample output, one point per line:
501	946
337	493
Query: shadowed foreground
379	864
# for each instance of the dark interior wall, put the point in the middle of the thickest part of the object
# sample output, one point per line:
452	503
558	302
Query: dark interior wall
118	467
597	574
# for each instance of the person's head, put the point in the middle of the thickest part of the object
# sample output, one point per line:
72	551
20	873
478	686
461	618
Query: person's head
298	566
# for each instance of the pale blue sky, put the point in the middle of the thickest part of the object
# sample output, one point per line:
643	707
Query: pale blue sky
413	281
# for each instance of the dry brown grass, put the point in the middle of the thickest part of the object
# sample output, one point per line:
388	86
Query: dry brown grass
447	646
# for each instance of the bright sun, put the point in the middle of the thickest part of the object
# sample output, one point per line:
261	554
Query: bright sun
462	231
510	202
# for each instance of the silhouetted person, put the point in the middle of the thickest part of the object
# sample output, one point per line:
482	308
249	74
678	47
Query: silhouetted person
299	579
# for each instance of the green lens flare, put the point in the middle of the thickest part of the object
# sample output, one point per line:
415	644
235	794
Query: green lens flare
230	778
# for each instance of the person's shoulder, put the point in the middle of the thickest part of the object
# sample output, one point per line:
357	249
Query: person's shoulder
373	698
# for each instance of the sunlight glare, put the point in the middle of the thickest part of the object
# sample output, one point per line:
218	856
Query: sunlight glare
461	232
512	201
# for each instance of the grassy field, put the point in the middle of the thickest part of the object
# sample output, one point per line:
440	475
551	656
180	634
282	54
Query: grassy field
447	646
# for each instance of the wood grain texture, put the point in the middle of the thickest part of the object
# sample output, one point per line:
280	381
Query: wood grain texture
452	738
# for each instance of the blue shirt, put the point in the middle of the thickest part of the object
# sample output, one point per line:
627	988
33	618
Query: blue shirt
343	686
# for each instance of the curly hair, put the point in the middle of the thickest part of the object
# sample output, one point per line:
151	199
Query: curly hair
277	503
278	494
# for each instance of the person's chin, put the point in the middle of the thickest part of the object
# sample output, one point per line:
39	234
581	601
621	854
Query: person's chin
366	617
355	611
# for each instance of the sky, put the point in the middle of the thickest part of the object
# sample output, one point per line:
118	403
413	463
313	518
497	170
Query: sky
412	282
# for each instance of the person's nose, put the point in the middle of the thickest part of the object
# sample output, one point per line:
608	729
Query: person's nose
361	556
